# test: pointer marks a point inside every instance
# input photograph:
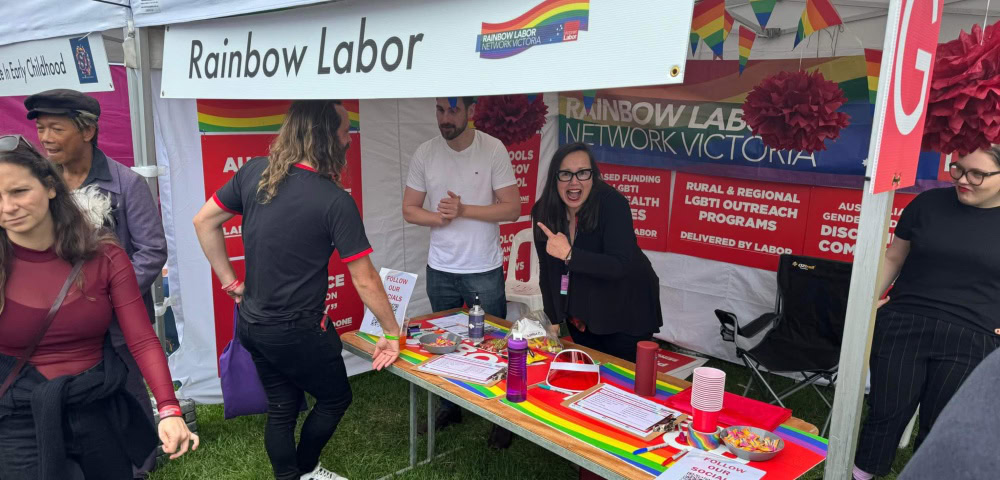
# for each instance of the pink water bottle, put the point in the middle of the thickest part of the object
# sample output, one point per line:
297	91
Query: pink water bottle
517	369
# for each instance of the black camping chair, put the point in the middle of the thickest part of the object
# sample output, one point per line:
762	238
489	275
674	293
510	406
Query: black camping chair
806	327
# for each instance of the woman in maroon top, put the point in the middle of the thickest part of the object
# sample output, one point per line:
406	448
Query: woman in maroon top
69	401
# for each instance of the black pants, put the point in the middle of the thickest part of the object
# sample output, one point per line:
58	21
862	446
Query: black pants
90	443
292	357
621	345
914	360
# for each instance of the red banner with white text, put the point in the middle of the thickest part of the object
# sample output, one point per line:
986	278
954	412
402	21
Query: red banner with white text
648	194
834	214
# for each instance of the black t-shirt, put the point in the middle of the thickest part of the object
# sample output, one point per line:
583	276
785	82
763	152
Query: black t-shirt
952	272
289	240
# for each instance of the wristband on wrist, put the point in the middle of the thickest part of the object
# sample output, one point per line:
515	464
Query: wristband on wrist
170	411
232	286
391	337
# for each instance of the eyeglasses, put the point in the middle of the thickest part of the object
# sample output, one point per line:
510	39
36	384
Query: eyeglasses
9	143
581	175
975	177
573	371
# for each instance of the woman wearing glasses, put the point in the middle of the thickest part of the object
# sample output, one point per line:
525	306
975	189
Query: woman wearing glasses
594	276
62	386
942	316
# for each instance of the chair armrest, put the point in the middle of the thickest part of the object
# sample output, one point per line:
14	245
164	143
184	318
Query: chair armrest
760	323
728	323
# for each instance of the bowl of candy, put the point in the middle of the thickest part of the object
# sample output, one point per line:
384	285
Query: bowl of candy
440	343
752	443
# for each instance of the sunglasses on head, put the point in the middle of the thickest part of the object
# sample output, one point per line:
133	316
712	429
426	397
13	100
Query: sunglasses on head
573	371
9	143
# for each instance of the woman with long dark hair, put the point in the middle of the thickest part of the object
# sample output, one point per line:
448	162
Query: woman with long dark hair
295	214
594	276
63	394
942	316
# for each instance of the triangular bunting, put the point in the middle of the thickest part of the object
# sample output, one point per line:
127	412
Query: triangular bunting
873	63
588	99
746	44
818	14
694	43
762	10
709	23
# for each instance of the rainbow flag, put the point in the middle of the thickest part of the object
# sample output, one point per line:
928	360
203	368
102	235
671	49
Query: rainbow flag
257	116
694	43
762	10
709	22
818	14
873	61
746	44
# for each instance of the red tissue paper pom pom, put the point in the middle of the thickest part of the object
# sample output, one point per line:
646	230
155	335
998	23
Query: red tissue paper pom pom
963	112
510	118
796	111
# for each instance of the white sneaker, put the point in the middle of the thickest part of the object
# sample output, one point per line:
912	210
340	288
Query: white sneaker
321	473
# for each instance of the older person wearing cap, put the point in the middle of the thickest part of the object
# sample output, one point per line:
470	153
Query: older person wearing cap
67	129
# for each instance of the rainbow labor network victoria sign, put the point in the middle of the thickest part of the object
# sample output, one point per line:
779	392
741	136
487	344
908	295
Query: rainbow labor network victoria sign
404	49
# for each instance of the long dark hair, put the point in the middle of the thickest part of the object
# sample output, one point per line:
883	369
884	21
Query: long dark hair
550	209
76	238
309	133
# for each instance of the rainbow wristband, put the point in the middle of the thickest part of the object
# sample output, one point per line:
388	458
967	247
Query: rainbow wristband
391	337
170	411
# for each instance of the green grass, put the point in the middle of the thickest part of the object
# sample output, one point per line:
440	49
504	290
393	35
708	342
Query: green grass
372	440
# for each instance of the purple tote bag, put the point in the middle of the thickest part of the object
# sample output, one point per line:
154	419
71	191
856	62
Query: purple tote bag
242	392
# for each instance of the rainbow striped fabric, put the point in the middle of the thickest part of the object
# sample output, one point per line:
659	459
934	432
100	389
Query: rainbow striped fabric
712	23
818	14
746	44
553	21
873	62
257	116
762	9
802	451
694	43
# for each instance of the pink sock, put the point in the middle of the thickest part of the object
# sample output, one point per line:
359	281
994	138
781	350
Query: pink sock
860	474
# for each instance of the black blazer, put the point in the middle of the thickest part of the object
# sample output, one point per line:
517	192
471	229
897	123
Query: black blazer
612	285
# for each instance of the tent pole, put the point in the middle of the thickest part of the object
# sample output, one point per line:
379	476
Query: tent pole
140	101
858	327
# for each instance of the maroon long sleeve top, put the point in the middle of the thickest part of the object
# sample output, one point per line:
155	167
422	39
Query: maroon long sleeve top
74	342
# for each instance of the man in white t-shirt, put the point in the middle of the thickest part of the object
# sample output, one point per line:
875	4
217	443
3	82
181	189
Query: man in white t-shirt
469	183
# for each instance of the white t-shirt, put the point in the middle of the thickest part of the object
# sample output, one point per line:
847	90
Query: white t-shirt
464	245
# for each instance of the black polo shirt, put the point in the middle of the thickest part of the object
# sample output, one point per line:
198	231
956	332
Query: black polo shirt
289	240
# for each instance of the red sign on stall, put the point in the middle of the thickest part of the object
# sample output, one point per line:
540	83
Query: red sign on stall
737	221
522	257
524	160
648	194
834	214
908	68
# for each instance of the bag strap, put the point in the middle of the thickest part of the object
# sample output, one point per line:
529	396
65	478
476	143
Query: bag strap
30	349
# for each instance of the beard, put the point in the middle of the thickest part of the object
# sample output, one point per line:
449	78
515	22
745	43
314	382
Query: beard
450	131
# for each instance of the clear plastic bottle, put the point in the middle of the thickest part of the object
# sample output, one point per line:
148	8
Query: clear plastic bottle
517	369
477	322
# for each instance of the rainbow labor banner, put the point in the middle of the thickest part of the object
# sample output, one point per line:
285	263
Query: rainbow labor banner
698	127
746	44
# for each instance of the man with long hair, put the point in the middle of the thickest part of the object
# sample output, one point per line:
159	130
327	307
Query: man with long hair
467	178
295	214
67	130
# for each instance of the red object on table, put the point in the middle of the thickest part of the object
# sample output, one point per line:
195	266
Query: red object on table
737	410
645	368
705	421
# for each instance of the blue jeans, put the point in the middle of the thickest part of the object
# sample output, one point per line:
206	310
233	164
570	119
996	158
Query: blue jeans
292	357
453	290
